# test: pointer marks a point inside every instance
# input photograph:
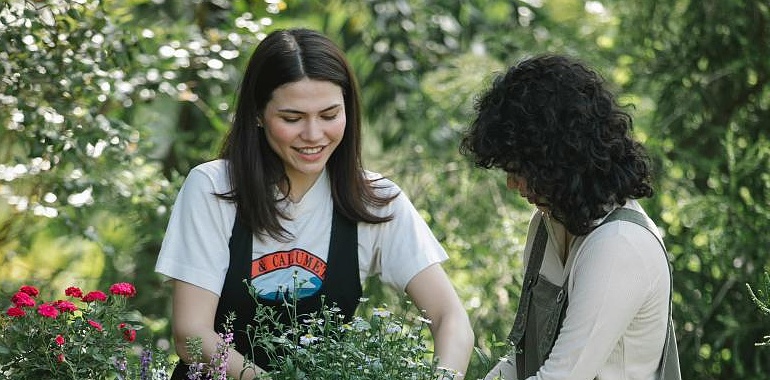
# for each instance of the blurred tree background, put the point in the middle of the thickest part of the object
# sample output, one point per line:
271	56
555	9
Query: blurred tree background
106	105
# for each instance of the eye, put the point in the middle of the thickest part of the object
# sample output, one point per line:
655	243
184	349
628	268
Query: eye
290	119
329	117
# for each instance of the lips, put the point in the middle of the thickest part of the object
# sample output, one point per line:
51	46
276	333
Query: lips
310	150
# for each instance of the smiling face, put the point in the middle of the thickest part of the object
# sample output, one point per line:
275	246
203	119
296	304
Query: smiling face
304	122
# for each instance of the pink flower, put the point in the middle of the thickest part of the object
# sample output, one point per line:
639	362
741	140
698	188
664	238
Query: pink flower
65	306
123	289
60	358
96	295
48	310
95	324
73	291
122	325
15	312
22	299
59	340
129	335
31	290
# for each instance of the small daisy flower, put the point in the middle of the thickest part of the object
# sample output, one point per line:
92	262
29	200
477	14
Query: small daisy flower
307	339
381	312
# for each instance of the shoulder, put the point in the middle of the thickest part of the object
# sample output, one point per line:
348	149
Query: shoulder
212	175
382	185
626	242
214	169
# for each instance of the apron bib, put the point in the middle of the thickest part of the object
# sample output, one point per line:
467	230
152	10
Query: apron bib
341	287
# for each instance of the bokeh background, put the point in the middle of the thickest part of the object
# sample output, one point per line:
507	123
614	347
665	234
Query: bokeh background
106	105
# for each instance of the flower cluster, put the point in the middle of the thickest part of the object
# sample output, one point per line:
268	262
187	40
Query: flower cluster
79	336
325	345
217	366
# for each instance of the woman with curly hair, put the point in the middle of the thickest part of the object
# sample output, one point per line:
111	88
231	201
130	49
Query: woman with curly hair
596	297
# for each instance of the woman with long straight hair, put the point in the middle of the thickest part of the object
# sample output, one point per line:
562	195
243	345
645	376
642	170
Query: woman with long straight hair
289	208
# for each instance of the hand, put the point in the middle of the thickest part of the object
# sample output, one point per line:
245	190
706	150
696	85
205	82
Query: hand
504	370
448	374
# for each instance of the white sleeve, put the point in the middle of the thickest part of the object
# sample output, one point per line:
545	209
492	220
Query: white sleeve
195	247
612	278
405	245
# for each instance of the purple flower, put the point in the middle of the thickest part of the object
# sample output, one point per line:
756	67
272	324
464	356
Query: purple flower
145	359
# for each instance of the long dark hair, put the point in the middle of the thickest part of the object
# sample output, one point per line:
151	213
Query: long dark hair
287	56
551	120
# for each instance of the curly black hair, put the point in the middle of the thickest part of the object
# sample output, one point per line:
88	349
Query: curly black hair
550	120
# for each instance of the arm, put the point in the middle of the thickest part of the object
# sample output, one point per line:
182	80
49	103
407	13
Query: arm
616	275
432	292
193	316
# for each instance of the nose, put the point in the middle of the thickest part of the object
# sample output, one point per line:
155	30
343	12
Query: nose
512	182
312	131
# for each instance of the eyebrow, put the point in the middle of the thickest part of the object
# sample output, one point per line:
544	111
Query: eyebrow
289	110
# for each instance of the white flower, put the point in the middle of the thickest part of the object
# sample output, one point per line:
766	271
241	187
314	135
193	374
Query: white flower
423	320
381	312
359	324
393	328
307	339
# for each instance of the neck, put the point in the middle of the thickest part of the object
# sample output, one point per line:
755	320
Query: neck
297	186
568	238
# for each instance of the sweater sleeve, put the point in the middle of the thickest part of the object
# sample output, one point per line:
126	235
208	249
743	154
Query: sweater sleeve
616	274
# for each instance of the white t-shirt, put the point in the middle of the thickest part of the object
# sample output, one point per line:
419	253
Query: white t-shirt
617	313
195	247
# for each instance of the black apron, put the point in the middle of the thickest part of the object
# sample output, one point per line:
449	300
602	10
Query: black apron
543	305
341	287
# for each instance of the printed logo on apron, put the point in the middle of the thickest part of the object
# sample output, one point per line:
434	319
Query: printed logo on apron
273	274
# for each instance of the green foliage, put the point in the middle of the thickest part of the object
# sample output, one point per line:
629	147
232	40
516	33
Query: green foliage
324	346
702	64
106	104
762	299
106	107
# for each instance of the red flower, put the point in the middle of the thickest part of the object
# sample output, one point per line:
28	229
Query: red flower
95	324
31	290
73	292
121	326
129	335
48	310
15	312
22	299
65	306
59	340
123	289
60	358
96	295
